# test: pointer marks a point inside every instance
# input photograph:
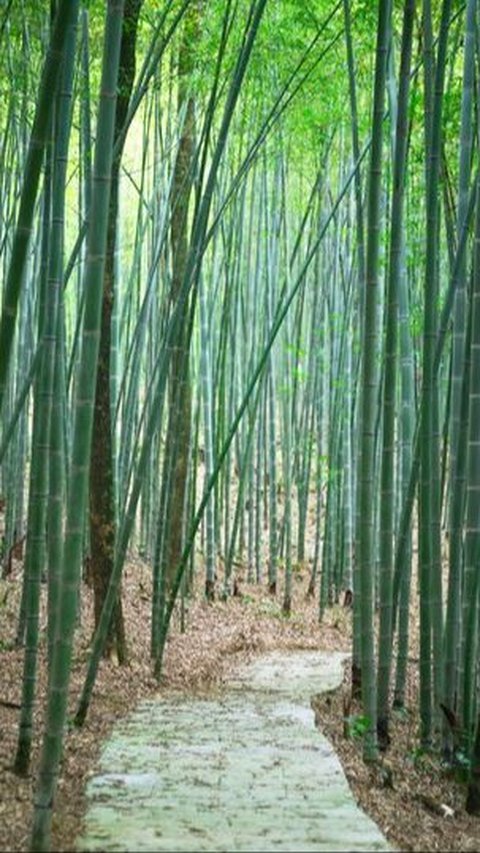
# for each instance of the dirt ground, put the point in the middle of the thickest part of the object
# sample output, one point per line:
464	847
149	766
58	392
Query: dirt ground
418	806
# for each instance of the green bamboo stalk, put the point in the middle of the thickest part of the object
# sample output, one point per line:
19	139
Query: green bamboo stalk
457	457
431	627
66	15
38	490
469	647
369	392
84	404
390	383
207	394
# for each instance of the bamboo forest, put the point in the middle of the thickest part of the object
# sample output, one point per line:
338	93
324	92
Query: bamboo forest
239	425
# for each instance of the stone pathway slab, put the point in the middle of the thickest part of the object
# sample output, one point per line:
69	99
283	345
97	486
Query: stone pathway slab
244	772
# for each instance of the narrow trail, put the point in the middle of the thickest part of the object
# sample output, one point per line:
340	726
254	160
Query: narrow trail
242	770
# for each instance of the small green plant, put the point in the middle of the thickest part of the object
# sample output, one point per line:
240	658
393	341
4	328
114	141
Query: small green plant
461	764
357	725
425	759
417	755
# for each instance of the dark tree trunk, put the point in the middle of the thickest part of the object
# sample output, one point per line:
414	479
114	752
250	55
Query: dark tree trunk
102	486
179	418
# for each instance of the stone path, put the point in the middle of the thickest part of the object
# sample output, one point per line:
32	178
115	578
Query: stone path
246	770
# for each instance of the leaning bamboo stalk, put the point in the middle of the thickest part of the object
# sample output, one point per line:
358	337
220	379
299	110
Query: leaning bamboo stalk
66	15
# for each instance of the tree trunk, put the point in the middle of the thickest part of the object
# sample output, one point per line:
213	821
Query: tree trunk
179	417
102	483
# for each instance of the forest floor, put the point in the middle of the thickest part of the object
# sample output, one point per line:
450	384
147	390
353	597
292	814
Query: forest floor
413	800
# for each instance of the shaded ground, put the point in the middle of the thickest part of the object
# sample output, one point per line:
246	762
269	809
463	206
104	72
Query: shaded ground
241	769
219	637
418	803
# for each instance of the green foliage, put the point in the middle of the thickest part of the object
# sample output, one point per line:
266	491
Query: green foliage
462	765
357	725
418	755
